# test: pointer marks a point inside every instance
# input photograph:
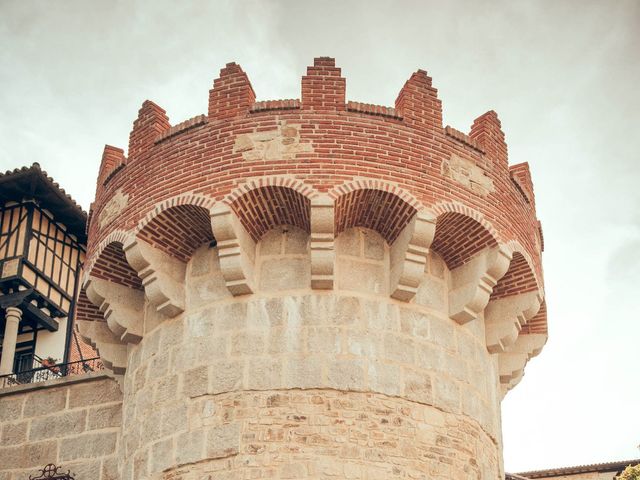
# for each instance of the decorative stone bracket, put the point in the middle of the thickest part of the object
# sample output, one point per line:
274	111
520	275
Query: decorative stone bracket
409	256
236	250
162	276
473	282
512	362
122	307
113	352
322	243
504	317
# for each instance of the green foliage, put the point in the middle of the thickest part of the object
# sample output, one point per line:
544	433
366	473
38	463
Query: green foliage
630	473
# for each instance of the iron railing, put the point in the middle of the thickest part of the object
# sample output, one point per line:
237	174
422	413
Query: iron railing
49	372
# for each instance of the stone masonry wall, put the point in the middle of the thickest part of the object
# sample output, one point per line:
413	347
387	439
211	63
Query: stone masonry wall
72	422
294	383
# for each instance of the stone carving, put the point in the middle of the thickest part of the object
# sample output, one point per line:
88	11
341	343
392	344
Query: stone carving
113	208
280	144
467	173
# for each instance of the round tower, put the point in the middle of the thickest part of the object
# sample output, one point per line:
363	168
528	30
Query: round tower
313	288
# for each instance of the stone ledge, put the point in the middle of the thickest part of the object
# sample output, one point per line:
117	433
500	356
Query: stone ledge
72	379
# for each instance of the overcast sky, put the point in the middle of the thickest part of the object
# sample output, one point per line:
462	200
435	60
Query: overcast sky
564	77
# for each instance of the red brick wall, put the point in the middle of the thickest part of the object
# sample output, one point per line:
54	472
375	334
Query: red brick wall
405	145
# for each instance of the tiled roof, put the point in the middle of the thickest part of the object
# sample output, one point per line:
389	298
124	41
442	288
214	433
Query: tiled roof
54	197
595	467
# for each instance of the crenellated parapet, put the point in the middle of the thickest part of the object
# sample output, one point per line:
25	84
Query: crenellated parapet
329	244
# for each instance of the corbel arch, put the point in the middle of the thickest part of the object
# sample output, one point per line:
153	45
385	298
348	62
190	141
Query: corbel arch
164	242
112	286
471	248
258	206
404	223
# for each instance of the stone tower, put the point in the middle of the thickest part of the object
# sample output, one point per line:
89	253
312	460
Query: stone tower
313	288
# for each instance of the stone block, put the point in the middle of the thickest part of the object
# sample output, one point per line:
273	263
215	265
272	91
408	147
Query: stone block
324	340
348	243
174	419
14	433
271	242
432	293
195	382
162	454
442	332
414	324
384	378
56	426
86	469
166	389
399	348
360	276
285	274
303	372
264	373
373	245
172	333
200	261
381	316
190	447
110	469
39	404
296	242
346	311
417	386
226	376
106	416
247	343
94	393
223	441
89	445
346	375
290	339
29	455
447	394
11	407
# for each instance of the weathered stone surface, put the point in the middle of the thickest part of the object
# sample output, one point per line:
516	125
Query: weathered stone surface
11	407
89	445
223	441
107	416
56	426
38	404
94	393
34	454
14	433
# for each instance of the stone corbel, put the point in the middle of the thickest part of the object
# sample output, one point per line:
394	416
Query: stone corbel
236	250
473	282
512	362
113	353
122	307
322	243
504	317
409	256
162	276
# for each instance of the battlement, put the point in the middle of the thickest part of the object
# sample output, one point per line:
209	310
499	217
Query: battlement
320	245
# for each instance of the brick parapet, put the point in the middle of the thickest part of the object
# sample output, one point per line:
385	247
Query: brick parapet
344	145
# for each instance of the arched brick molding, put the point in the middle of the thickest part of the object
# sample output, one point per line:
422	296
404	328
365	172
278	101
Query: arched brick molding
178	230
111	264
460	234
265	207
193	199
378	210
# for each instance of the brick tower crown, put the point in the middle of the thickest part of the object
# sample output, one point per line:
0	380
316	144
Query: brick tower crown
313	288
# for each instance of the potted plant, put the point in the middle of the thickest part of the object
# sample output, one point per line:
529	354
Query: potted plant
51	364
